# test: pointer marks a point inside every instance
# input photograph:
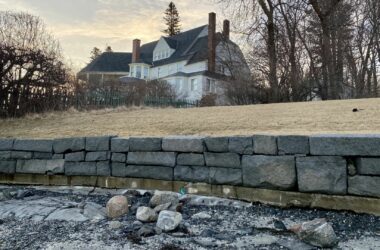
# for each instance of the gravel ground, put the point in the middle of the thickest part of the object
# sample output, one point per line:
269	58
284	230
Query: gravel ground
233	225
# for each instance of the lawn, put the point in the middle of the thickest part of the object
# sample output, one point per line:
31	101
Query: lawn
288	118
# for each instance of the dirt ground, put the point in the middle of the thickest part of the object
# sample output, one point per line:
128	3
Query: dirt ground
284	118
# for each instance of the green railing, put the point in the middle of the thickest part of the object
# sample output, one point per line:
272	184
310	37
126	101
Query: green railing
167	102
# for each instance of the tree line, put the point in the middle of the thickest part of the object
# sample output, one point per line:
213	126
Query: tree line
302	50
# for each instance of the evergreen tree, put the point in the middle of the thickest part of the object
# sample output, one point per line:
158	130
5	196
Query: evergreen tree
172	20
95	52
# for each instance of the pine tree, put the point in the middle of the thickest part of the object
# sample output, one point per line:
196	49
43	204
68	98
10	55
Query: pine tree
172	20
95	52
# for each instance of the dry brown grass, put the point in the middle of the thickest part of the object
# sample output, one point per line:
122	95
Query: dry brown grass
289	118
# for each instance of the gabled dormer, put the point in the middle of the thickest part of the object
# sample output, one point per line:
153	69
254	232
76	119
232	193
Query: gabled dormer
164	49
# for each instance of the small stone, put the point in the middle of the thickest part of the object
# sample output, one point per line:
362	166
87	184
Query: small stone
168	220
146	231
146	214
117	206
137	224
351	169
161	197
279	225
317	232
201	215
115	224
158	230
162	207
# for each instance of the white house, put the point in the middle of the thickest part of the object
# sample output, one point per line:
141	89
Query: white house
193	62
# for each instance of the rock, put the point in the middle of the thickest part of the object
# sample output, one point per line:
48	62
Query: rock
6	144
163	197
272	172
168	220
265	144
42	155
241	145
162	207
225	176
138	144
98	143
345	145
2	197
7	167
40	166
66	145
317	232
322	174
368	166
76	156
80	168
115	225
293	144
5	155
351	168
146	214
103	168
279	225
120	145
158	230
137	224
119	157
21	155
201	215
146	231
189	144
97	156
216	144
190	160
149	172
192	173
364	185
23	193
152	158
118	169
33	145
224	160
117	206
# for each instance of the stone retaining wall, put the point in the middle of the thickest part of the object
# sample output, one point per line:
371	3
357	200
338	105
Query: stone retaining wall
323	164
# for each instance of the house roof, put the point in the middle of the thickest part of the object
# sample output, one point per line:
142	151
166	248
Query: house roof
109	62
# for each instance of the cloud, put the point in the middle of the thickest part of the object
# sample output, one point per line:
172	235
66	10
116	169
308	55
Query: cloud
81	25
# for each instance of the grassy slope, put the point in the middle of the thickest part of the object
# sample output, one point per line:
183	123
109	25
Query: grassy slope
289	118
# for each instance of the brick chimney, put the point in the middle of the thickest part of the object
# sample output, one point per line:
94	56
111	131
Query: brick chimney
226	29
136	50
211	41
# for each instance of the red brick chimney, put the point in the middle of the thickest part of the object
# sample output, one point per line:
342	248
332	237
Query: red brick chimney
136	50
211	41
226	29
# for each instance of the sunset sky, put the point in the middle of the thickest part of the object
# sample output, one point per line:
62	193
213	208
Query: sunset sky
80	25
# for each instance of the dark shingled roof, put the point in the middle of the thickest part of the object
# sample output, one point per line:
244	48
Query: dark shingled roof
109	62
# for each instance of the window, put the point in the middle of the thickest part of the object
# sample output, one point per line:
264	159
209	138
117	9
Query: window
158	72
178	83
138	71
146	71
179	67
193	84
133	71
210	86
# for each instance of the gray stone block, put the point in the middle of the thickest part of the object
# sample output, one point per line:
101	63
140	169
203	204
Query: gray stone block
216	144
368	166
323	174
76	156
293	144
240	145
152	158
80	168
364	185
67	145
40	166
189	144
6	144
272	172
42	155
103	168
192	174
5	155
345	145
120	145
265	144
33	145
97	156
57	156
226	160
22	155
191	159
7	167
119	157
225	176
147	144
150	172
119	169
98	143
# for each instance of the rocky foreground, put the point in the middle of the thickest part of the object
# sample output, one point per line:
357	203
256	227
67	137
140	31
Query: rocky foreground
84	218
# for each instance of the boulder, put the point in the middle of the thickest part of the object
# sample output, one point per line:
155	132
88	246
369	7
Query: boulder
137	144
117	206
76	156
168	220
368	166
103	168
162	207
97	156
293	144
364	185
120	145
149	172
183	144
119	157
80	168
192	173
5	155
118	169
241	145
40	166
265	144
67	145
163	197
33	145
191	160
152	158
6	144
21	155
216	144
98	143
7	167
42	155
146	214
317	232
225	176
224	160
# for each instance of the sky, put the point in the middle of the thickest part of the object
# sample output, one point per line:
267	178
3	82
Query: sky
81	25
